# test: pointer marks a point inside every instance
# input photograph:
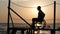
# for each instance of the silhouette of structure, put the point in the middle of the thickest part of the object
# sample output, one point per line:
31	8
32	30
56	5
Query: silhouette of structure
29	30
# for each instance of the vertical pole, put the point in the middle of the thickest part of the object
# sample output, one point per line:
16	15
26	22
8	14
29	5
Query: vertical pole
54	15
22	31
8	17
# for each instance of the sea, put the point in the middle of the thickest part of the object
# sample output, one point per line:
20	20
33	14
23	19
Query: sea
3	28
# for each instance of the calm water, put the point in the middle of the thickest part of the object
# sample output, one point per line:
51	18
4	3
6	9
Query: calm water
3	28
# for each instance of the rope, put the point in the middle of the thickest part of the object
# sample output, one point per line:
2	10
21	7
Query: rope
29	7
48	5
21	5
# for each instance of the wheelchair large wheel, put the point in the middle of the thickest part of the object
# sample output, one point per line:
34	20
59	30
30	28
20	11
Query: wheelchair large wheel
43	24
39	25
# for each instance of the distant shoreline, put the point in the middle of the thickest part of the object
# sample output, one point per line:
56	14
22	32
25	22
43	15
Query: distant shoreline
29	23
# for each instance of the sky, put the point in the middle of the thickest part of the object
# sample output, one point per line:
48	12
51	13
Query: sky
28	13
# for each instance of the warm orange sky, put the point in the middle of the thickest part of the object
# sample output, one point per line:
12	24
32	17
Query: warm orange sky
28	13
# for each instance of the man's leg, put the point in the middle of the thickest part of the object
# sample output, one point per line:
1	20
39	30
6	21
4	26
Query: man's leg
33	22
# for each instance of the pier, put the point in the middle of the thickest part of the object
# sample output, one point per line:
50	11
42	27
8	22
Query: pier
29	30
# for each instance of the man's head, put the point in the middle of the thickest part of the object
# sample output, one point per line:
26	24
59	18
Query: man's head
39	8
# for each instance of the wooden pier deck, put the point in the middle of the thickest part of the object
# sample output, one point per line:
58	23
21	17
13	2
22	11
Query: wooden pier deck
15	29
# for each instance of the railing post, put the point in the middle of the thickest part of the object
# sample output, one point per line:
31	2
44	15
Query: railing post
8	17
54	16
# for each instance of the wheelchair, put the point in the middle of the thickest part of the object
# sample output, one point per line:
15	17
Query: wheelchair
39	25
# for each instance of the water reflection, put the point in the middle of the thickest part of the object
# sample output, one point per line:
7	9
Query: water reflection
41	32
57	32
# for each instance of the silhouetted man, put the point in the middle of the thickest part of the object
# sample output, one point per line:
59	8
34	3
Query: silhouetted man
41	16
